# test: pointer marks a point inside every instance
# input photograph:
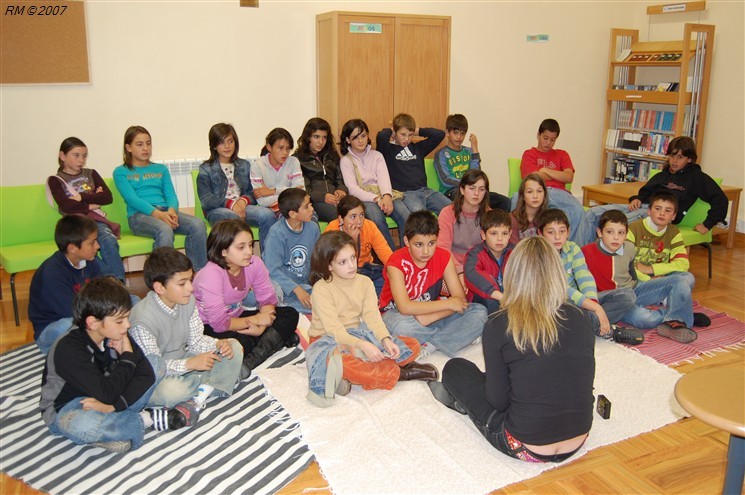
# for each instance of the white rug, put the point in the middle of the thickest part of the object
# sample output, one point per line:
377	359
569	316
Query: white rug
404	442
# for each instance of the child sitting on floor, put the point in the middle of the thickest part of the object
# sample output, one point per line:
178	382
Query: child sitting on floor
410	300
659	244
224	284
366	236
166	325
288	247
347	327
485	262
97	381
611	260
60	277
553	224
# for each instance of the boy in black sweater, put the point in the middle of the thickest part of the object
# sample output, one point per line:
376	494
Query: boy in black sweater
97	381
405	161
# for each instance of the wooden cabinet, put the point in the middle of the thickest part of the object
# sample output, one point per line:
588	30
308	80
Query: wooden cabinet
373	66
656	90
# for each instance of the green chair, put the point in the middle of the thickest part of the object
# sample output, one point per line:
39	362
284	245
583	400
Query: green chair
129	243
695	215
513	166
26	232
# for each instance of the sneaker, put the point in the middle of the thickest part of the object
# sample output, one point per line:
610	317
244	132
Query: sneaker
117	446
426	349
172	419
183	414
701	320
344	387
627	335
444	397
677	331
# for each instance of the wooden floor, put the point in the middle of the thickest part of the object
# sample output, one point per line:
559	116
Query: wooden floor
687	457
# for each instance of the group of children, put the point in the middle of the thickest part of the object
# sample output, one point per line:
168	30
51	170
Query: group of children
374	309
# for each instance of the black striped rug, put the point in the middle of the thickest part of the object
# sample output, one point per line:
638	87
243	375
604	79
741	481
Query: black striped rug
246	443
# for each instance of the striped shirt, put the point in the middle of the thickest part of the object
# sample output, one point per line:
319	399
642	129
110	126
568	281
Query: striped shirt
581	284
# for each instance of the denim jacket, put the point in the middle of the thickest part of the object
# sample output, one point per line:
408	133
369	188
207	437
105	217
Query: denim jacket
212	185
325	368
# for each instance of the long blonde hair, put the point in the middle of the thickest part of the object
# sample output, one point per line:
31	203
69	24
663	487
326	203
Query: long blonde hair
535	287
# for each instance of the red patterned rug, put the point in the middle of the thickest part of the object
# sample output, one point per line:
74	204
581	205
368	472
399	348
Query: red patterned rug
724	332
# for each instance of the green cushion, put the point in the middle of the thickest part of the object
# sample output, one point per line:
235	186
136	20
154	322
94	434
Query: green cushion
697	212
433	181
27	224
26	215
513	167
131	244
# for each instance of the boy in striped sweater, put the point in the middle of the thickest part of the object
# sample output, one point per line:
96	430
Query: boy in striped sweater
553	224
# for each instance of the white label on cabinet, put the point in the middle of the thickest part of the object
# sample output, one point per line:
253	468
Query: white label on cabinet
365	28
537	38
678	7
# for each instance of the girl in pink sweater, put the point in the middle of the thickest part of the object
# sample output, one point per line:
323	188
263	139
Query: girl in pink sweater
224	284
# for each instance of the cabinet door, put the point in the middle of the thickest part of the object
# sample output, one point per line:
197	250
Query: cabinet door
422	72
366	72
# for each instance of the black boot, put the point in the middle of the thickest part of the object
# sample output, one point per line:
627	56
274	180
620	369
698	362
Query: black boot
269	343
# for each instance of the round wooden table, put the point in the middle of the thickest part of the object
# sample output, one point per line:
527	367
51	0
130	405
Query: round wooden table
717	397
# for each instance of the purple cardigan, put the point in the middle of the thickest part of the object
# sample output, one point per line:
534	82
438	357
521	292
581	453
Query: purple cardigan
218	302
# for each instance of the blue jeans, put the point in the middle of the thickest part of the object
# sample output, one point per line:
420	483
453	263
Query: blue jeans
425	199
492	305
399	215
171	390
292	300
592	216
616	303
449	334
83	427
110	259
52	332
374	272
256	216
162	233
679	307
578	226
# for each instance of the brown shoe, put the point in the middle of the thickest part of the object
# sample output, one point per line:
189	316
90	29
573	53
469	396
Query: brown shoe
418	371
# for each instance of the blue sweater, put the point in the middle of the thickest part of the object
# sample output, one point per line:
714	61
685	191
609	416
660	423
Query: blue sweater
53	287
144	188
287	254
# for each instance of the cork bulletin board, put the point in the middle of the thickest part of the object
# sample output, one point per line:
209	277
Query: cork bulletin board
43	41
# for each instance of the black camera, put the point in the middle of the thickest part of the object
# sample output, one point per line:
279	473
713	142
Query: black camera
603	407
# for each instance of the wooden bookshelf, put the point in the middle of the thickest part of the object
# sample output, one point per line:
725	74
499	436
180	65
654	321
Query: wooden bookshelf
630	59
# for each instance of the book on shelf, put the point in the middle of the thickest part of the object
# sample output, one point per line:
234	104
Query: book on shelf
651	143
663	86
628	169
647	120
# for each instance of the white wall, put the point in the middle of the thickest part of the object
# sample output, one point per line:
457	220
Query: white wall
179	67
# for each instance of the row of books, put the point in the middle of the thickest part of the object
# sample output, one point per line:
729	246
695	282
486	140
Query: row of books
626	169
644	142
663	86
647	120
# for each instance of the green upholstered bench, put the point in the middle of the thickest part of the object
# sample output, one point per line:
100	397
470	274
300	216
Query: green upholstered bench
27	223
